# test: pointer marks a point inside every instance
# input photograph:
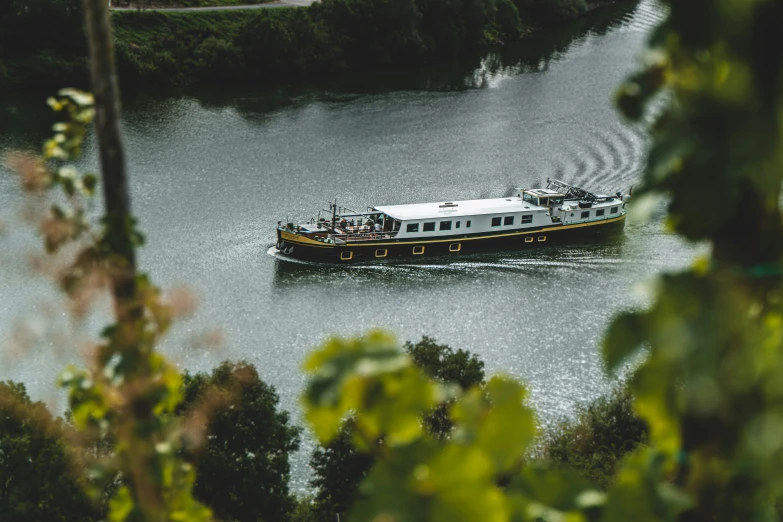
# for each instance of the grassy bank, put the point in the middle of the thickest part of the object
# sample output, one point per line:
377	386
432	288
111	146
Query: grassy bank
177	49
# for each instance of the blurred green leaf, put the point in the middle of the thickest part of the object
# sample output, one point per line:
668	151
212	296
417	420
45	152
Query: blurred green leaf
624	337
641	492
373	378
496	419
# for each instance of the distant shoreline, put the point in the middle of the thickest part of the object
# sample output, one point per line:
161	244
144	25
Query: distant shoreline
262	4
182	48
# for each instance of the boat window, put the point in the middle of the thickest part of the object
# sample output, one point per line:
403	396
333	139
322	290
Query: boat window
467	225
544	202
613	211
496	221
413	227
556	201
527	218
508	220
445	225
529	198
457	224
585	214
600	212
429	227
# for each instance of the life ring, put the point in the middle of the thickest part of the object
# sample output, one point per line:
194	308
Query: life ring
280	244
288	251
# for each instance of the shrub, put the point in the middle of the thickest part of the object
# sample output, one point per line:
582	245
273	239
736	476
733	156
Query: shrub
38	477
242	467
219	57
597	438
377	32
305	510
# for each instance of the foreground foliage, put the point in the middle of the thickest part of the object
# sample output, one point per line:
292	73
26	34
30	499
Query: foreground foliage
127	394
39	475
339	468
420	476
710	387
232	431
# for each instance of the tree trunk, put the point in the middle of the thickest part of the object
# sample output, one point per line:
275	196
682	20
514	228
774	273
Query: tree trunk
119	241
119	228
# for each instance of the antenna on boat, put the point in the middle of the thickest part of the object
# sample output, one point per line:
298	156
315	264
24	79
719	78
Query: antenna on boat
334	213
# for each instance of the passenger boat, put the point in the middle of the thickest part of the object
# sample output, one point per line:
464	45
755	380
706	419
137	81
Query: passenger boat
559	213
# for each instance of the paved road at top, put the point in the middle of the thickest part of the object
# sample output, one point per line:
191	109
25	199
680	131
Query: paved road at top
282	3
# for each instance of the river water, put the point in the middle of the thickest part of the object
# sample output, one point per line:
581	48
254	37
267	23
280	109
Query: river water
213	171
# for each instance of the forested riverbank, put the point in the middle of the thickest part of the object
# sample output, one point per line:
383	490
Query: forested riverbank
43	46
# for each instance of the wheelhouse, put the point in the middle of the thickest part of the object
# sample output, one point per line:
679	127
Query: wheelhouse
541	197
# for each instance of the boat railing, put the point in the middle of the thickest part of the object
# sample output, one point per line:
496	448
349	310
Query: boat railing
361	236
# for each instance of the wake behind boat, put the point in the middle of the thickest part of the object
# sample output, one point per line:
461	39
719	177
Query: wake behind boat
560	213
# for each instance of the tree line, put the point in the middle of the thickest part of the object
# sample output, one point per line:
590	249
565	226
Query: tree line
242	456
42	44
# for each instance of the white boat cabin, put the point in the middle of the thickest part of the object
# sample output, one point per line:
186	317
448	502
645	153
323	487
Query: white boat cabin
558	204
531	208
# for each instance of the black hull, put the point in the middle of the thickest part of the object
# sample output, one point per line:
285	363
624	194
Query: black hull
385	249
